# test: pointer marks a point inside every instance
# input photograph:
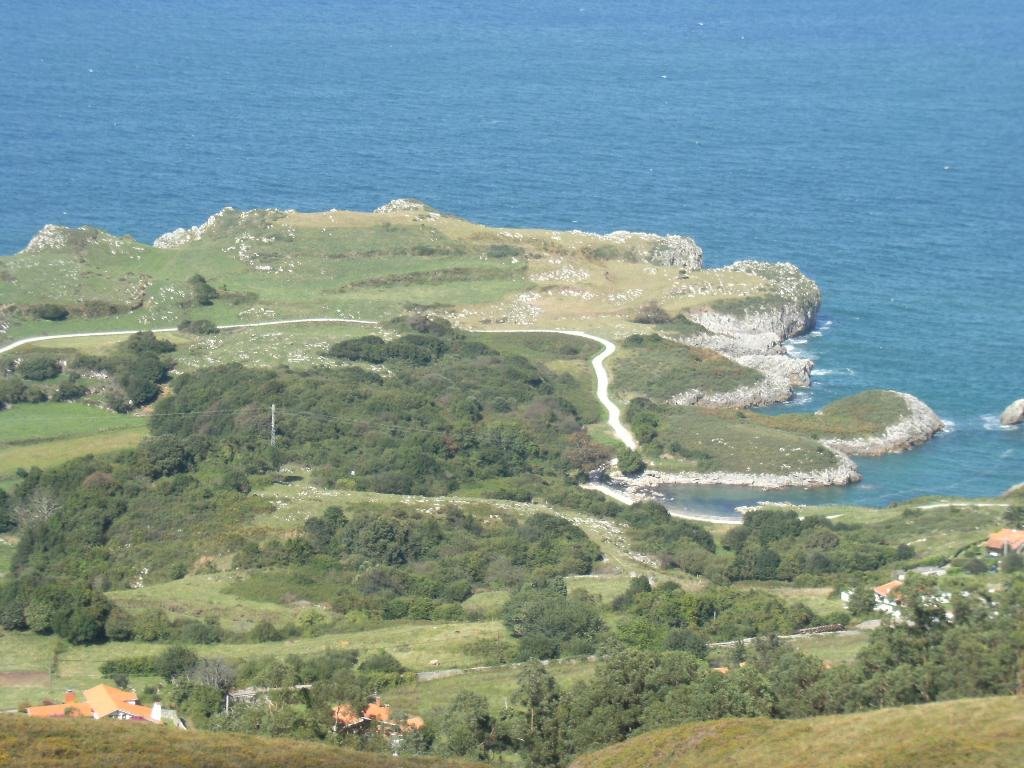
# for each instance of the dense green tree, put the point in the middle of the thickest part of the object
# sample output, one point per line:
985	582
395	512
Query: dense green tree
549	623
175	661
631	463
537	722
466	728
39	367
202	293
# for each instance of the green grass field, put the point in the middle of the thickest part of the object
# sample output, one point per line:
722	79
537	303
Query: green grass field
650	366
833	648
210	596
430	698
705	440
46	434
273	265
27	656
981	733
866	413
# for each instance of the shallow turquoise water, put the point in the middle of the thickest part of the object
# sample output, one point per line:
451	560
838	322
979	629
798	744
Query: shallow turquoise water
879	146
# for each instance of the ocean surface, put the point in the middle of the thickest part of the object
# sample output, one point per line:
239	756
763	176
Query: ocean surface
877	145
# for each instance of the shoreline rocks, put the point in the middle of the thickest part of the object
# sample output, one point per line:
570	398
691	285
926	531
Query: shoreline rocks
917	427
645	486
1013	414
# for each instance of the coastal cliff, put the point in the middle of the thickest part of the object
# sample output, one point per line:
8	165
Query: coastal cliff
750	331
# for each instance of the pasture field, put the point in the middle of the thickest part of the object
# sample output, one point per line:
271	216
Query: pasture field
279	264
431	698
702	439
866	413
833	648
651	366
28	657
47	434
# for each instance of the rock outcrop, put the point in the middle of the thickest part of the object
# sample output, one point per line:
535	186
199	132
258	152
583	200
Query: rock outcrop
182	236
916	427
668	250
1014	413
787	308
843	472
781	374
749	330
54	237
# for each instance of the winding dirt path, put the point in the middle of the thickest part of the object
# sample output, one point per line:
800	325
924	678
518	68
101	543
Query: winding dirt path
622	434
614	414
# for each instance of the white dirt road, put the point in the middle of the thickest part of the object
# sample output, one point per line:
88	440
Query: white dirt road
614	414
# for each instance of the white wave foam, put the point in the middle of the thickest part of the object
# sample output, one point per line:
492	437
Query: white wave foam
803	397
948	426
991	422
832	372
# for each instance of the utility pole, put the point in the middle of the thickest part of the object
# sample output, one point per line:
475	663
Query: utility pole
273	425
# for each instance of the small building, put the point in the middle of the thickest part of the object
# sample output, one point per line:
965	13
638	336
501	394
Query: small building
376	716
887	597
101	701
1006	540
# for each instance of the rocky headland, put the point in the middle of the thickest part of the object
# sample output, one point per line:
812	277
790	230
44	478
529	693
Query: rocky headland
916	427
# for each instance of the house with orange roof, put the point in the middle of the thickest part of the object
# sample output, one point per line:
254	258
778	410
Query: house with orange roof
887	597
1006	540
70	708
101	701
375	716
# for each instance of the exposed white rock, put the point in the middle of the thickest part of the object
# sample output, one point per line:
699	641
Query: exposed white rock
788	309
1014	413
182	236
404	205
781	374
917	427
669	251
50	236
843	472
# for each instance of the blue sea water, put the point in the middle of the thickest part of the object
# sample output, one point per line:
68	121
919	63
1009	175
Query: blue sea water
878	145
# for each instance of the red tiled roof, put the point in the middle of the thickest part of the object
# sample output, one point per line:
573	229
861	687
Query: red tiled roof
100	701
1008	537
887	589
345	715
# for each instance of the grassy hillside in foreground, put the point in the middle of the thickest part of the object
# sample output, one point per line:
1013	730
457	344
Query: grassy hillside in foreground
982	733
33	743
